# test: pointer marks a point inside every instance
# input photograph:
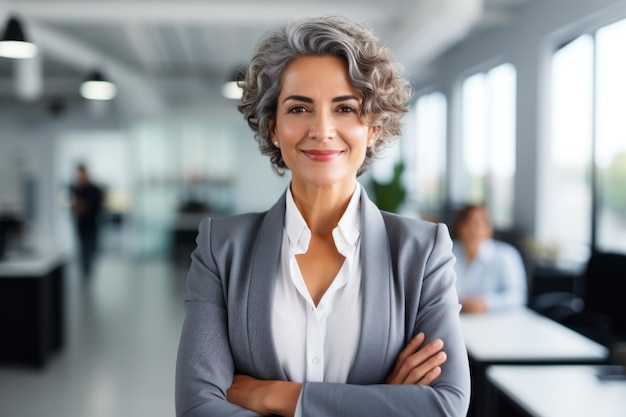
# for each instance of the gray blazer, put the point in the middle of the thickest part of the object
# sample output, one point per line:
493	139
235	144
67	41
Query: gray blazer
407	286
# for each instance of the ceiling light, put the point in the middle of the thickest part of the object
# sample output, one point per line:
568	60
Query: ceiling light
14	44
96	87
231	89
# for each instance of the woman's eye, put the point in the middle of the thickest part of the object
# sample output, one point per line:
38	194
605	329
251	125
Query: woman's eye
296	109
346	109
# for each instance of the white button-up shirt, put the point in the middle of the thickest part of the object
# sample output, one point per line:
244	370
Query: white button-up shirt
318	343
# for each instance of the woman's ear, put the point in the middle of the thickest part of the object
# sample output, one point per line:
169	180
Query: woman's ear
272	129
373	135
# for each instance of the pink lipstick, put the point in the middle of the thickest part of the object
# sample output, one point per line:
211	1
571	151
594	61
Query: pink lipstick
322	155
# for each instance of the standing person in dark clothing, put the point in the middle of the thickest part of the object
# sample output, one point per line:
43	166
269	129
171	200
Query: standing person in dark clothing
86	199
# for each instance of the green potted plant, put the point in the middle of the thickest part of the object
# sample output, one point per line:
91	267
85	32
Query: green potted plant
390	195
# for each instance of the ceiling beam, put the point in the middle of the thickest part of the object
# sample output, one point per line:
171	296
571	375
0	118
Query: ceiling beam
431	27
216	12
143	45
135	90
417	34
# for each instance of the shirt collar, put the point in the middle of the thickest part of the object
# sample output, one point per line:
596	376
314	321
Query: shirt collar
297	230
348	230
345	235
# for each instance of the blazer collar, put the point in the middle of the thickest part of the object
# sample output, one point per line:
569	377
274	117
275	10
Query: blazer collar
263	272
371	356
370	361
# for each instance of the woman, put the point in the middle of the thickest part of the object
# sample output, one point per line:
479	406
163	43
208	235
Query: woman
324	305
490	273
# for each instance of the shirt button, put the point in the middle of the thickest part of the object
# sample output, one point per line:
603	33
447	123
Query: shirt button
315	360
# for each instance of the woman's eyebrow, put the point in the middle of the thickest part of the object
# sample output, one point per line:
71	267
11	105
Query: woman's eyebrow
345	98
299	98
310	100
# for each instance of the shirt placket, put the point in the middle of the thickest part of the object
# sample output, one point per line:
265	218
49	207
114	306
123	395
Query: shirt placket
314	343
314	346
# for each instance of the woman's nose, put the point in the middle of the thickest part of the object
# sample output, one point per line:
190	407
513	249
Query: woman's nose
322	127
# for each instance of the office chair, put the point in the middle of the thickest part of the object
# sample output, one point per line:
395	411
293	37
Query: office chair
598	311
605	287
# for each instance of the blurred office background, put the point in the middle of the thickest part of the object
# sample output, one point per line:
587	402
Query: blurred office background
518	103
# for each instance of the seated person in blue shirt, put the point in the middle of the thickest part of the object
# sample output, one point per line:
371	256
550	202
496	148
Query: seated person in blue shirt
490	273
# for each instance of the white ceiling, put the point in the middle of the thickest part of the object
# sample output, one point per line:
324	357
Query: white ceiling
143	44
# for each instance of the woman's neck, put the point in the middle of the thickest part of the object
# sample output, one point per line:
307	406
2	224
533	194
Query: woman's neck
322	207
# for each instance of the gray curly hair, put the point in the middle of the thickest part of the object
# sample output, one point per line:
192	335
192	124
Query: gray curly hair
385	92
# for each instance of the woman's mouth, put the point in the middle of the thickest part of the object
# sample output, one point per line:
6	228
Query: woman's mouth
322	155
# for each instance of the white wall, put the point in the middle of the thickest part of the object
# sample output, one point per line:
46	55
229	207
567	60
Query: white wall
257	187
35	146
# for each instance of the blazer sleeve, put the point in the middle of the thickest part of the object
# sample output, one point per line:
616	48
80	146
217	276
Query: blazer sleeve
205	367
437	317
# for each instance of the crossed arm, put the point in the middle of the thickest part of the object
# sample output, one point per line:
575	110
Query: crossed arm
416	364
208	386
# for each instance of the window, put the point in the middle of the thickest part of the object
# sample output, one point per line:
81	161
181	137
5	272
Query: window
183	169
568	188
426	156
585	196
488	140
610	137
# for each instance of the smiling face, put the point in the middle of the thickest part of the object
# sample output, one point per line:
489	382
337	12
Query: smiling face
321	136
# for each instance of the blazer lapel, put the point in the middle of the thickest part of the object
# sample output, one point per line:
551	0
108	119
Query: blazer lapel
263	271
371	357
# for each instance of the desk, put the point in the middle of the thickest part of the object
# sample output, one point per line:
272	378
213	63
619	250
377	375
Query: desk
555	391
520	336
31	308
524	336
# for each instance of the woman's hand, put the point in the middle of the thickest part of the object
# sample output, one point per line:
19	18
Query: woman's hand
417	364
473	304
264	397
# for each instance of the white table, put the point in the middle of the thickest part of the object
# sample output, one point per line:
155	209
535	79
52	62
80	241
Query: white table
516	337
30	265
560	391
522	335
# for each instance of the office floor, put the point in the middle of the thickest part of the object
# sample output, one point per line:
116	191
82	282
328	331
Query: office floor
120	349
